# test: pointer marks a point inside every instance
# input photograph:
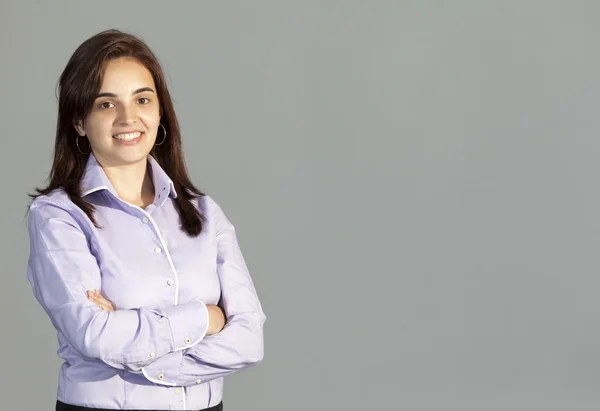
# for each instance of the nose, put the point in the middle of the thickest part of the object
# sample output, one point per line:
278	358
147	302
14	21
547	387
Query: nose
125	115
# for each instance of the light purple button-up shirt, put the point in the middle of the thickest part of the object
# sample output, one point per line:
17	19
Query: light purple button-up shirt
153	351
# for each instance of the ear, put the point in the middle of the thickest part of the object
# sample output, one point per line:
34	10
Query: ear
79	127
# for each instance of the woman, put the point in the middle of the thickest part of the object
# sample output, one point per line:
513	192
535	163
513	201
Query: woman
140	272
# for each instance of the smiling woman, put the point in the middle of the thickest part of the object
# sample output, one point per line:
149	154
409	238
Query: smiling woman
139	271
122	126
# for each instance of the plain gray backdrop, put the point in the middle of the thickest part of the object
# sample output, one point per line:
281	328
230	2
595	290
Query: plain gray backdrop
414	185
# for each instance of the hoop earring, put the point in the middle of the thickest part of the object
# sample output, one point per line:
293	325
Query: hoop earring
77	144
164	135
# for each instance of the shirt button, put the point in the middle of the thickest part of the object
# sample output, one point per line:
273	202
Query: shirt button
170	282
161	376
157	250
198	381
177	391
188	340
145	220
152	354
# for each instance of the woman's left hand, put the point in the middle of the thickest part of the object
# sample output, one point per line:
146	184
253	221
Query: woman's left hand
100	301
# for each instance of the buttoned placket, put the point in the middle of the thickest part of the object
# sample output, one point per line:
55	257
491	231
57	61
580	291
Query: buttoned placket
147	219
163	192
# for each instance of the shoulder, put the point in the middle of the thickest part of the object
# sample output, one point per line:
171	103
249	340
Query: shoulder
57	197
55	204
213	212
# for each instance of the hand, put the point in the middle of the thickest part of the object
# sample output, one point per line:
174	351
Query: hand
100	300
216	319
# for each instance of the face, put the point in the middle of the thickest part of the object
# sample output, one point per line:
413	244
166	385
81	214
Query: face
123	123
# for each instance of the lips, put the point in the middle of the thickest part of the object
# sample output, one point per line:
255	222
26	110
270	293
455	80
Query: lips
128	135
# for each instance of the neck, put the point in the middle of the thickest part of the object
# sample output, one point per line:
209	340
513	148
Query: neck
132	183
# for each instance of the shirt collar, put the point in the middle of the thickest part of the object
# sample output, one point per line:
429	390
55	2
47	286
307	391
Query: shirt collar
95	179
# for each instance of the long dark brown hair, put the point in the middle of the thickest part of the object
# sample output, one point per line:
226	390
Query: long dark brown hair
78	86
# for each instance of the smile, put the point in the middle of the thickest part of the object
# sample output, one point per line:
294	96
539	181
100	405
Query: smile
128	136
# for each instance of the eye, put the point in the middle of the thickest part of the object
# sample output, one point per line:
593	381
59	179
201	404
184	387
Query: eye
106	104
144	100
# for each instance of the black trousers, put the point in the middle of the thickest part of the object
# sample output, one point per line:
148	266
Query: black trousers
61	406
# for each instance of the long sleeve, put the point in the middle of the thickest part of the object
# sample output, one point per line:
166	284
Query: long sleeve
62	267
240	344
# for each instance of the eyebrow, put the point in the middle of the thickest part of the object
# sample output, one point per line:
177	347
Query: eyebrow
138	91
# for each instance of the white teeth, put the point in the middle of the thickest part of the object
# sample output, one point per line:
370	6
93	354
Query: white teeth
127	136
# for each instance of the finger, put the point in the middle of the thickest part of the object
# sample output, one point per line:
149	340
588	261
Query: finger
99	297
105	302
100	303
96	301
95	298
104	306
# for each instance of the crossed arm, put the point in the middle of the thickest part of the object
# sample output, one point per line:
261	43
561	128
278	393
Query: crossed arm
178	345
216	316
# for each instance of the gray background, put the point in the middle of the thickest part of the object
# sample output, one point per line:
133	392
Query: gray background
414	183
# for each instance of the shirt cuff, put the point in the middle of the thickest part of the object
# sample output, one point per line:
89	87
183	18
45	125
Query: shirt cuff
165	371
189	324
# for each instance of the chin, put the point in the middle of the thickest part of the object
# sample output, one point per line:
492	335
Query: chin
121	159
